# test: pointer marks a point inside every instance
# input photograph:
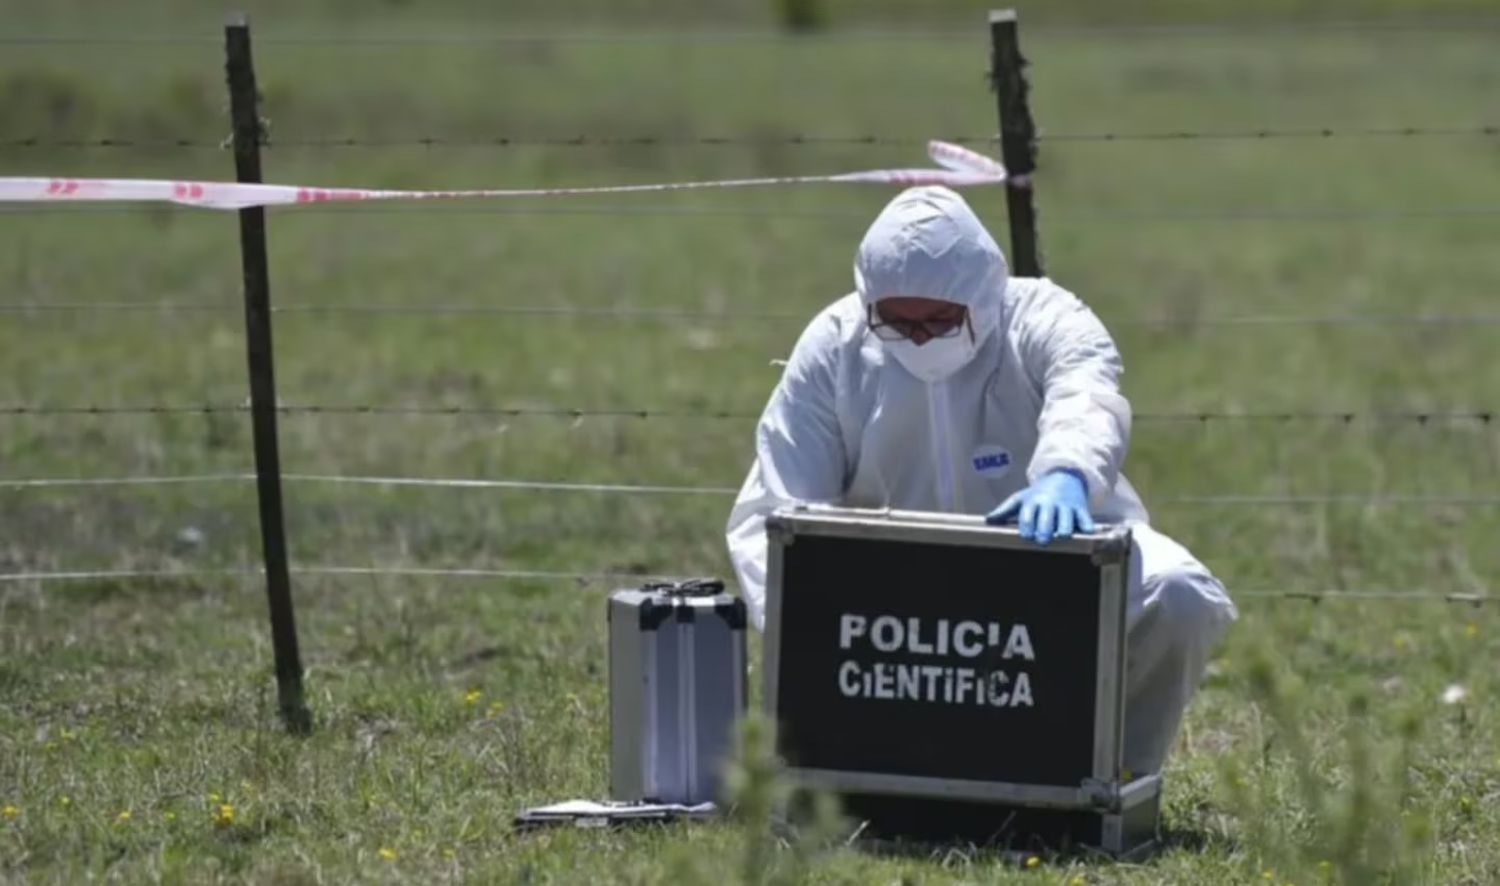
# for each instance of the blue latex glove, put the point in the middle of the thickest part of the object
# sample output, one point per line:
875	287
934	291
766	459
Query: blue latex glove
1049	508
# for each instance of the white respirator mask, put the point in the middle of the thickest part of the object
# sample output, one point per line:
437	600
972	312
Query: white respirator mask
937	358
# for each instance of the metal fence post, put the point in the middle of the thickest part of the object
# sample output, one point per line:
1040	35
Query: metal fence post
1017	140
247	140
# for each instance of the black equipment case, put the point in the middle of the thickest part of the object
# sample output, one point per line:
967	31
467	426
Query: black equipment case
950	680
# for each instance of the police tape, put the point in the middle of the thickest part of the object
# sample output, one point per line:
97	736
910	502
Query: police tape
959	167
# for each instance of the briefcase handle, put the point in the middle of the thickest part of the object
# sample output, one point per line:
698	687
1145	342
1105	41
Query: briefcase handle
692	587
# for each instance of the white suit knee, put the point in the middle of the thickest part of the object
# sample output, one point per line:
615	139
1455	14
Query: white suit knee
1176	611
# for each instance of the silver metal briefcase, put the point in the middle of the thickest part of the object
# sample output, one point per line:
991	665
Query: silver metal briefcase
676	689
950	679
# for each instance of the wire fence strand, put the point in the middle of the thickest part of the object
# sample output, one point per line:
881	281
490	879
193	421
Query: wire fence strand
1242	27
512	484
98	482
635	579
1360	499
1158	215
1229	500
653	140
571	312
397	571
1416	417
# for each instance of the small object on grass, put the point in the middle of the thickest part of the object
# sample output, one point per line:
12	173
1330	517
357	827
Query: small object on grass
595	814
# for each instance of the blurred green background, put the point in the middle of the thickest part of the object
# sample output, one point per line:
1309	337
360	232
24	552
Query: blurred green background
1219	265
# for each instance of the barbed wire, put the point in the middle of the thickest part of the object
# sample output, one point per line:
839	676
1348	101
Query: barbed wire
1278	28
1421	417
636	579
1484	417
403	410
1064	215
1473	599
70	482
104	574
755	141
1365	499
1261	214
355	210
1237	27
1273	134
1230	500
560	311
717	316
1357	499
511	484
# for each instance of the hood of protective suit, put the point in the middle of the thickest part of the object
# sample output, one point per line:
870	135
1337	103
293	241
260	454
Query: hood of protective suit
928	242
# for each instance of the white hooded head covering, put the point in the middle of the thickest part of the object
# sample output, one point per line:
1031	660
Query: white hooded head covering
928	242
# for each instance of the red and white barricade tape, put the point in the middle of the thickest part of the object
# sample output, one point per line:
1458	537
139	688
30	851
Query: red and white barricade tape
959	167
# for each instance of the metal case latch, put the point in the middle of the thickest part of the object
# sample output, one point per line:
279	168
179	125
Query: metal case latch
1103	795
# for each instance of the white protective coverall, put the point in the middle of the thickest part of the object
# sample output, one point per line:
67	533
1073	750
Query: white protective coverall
849	425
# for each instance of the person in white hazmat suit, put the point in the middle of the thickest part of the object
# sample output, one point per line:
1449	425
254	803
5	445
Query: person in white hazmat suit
944	384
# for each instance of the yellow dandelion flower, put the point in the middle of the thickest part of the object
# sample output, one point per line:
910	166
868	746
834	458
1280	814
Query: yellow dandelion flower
123	816
1471	629
9	810
224	815
1033	861
388	853
472	696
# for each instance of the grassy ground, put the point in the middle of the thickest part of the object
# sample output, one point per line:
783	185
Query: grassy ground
137	734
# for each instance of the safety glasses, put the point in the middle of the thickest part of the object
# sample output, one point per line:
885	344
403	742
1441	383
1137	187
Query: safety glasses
898	329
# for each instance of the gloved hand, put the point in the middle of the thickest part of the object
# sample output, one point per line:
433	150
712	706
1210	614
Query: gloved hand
1049	508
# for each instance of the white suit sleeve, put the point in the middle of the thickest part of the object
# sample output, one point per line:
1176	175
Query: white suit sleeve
799	457
1085	421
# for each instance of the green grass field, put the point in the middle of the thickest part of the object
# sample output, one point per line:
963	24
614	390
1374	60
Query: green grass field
138	735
